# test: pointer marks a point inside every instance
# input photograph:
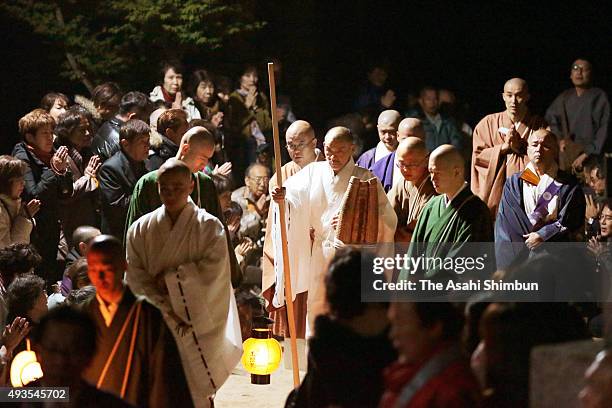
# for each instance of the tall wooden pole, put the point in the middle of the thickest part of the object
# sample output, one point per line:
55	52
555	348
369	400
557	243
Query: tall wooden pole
283	231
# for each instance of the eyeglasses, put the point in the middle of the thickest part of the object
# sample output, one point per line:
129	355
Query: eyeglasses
578	67
403	166
293	147
260	179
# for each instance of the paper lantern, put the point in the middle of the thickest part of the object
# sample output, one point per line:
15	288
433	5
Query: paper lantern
25	368
262	355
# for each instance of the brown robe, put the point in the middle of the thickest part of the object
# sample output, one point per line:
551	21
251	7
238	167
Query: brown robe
491	168
408	202
156	377
279	315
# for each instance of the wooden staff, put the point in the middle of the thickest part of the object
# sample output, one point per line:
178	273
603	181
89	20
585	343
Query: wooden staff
283	231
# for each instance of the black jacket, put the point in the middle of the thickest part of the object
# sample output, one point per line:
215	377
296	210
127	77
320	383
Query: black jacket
161	153
106	142
51	189
344	368
118	176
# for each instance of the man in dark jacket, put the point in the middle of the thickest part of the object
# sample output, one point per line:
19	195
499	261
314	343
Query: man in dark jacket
134	105
119	175
171	125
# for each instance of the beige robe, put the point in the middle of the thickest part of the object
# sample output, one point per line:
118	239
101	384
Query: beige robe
185	268
314	196
408	200
490	167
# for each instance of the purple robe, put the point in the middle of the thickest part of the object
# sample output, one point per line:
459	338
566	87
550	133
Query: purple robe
366	160
383	169
512	221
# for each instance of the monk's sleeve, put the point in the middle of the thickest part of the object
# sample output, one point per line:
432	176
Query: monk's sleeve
386	215
553	116
138	277
601	119
485	157
570	218
135	210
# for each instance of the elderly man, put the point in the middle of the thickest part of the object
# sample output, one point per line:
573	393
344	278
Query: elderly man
580	116
388	122
454	217
301	145
179	260
254	200
597	390
314	198
409	196
439	129
500	143
196	148
540	204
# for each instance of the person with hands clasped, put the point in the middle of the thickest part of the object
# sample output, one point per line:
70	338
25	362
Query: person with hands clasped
48	179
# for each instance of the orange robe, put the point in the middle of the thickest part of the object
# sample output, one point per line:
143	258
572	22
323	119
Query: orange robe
490	167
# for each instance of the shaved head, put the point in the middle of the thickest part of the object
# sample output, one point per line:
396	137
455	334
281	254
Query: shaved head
301	142
389	118
516	96
446	167
388	121
410	127
411	157
339	134
339	147
198	135
516	82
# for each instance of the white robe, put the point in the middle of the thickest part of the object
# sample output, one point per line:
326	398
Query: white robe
192	256
313	197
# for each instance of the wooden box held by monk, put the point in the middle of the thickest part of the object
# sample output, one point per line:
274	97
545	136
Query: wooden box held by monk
358	218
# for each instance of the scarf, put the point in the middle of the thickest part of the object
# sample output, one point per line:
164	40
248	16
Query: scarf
42	156
167	97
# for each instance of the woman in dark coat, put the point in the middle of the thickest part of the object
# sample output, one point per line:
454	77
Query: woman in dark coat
47	179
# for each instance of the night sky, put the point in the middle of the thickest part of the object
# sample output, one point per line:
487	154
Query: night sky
326	46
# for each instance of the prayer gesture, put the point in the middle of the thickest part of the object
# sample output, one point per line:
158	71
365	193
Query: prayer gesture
59	161
513	142
245	247
224	170
593	209
14	333
261	205
533	240
178	101
388	99
278	194
596	247
32	207
93	166
251	98
334	221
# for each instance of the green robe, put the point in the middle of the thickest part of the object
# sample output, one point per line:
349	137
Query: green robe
443	231
145	199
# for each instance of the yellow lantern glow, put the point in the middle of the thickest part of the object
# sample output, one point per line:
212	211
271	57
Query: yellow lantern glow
25	368
262	356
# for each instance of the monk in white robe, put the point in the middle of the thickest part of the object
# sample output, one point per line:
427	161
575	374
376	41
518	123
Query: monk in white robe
178	259
302	148
500	144
313	200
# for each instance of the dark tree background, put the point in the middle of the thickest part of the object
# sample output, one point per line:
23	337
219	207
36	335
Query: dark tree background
325	47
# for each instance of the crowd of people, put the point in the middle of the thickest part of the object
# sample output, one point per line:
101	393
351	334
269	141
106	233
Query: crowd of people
139	238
